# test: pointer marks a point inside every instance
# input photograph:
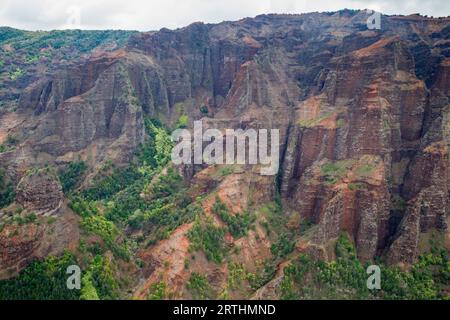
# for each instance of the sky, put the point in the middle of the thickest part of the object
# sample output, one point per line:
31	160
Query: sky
145	15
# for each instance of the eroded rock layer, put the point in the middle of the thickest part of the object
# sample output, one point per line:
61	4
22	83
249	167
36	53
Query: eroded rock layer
363	118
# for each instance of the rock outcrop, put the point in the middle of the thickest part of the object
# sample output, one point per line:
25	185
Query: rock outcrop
40	192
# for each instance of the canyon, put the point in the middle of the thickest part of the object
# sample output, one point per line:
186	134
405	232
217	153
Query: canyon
364	121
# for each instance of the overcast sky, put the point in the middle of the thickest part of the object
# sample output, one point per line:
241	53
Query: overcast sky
147	15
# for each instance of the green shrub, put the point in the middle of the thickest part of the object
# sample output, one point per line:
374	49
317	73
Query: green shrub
158	149
182	122
108	231
83	207
110	185
100	226
7	192
199	287
41	280
262	277
225	171
204	110
102	277
210	239
88	290
236	275
356	186
71	176
157	291
16	74
334	171
284	246
238	224
30	218
167	184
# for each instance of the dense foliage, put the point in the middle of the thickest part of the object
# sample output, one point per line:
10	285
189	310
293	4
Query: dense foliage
41	280
98	281
7	193
72	175
346	277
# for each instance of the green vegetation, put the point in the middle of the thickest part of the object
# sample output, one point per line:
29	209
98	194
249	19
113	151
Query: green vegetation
110	185
71	176
204	110
340	123
262	277
147	194
353	186
161	144
108	231
166	209
77	40
365	169
41	280
239	224
88	291
225	171
100	226
7	193
30	218
182	122
141	196
200	287
334	171
151	157
158	291
207	237
236	275
276	228
82	207
9	144
275	223
101	276
284	246
346	277
16	74
27	52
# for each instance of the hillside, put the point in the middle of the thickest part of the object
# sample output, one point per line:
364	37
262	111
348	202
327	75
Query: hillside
86	176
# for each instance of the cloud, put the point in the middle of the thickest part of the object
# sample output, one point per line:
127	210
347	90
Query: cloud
155	14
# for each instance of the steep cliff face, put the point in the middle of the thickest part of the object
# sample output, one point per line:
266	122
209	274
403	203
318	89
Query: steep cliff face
363	118
365	104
